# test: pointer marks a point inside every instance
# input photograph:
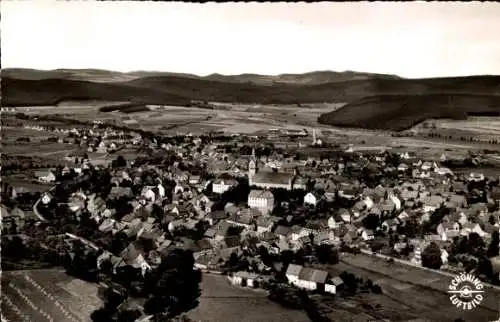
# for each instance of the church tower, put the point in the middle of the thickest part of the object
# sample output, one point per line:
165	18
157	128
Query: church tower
252	167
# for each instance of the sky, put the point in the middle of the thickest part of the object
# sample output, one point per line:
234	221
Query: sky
412	39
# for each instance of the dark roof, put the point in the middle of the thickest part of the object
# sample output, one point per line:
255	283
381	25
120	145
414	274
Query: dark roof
294	270
282	230
273	177
313	275
232	241
217	215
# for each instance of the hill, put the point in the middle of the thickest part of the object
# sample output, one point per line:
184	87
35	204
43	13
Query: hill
99	75
399	112
374	101
22	92
312	78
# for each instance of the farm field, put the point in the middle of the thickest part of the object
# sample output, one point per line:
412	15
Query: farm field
483	128
222	302
253	119
47	149
421	293
34	295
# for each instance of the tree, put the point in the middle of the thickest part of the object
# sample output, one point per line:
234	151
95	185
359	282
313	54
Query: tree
371	221
484	267
102	315
174	284
129	315
493	247
476	244
431	256
326	254
119	162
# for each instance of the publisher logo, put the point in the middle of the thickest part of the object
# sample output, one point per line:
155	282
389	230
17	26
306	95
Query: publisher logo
466	291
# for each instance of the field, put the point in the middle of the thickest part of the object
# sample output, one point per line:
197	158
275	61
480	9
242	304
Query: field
36	295
480	128
416	292
222	302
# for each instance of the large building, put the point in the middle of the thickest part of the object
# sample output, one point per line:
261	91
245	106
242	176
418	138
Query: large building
262	200
273	179
222	185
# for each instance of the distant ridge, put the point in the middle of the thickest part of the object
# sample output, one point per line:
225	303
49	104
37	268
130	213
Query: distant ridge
374	101
99	75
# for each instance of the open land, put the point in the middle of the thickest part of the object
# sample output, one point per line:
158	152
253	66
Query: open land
221	301
417	292
52	293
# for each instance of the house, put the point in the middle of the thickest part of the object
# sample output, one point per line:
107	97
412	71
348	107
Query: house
475	177
282	232
448	226
427	165
46	198
367	234
307	278
292	273
456	201
220	186
45	176
310	199
219	231
118	192
264	225
241	219
263	200
442	171
333	285
194	180
149	193
299	232
345	215
332	223
431	203
215	217
244	279
395	200
390	224
469	228
133	256
403	167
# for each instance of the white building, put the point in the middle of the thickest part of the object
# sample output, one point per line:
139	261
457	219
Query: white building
332	224
149	194
46	198
244	279
220	186
45	176
333	285
310	199
306	278
262	200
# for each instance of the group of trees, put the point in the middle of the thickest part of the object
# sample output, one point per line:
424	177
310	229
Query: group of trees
353	284
169	290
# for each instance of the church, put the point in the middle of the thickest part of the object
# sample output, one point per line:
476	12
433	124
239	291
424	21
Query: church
272	179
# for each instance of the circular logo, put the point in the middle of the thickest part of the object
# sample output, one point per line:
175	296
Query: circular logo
466	291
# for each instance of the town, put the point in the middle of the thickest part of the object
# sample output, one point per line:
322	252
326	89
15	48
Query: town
277	211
